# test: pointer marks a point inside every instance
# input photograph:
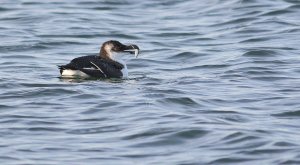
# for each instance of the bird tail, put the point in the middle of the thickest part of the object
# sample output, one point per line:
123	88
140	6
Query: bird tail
61	68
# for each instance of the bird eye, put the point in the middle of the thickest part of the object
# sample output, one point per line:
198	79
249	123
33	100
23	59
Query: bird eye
115	49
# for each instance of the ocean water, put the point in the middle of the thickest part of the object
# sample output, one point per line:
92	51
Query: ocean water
217	82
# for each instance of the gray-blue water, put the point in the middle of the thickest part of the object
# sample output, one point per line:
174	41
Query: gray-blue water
217	82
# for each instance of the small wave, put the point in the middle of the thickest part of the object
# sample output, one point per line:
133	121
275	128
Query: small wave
45	129
288	114
185	56
260	53
19	57
5	9
183	101
95	130
235	21
39	92
190	134
277	12
147	133
255	40
270	78
231	160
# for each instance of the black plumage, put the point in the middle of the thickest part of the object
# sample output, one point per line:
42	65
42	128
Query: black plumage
95	66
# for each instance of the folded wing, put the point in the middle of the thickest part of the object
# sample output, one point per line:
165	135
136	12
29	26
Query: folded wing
95	66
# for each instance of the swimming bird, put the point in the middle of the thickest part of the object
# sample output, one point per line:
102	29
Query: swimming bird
108	64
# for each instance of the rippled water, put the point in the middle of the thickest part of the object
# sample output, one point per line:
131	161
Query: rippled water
217	82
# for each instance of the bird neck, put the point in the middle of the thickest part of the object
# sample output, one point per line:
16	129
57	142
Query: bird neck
112	56
105	54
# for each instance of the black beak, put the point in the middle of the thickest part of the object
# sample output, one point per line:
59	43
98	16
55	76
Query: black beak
132	49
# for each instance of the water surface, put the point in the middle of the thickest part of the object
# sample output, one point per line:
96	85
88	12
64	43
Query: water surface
217	82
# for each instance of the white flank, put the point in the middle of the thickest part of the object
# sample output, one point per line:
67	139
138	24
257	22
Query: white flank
73	73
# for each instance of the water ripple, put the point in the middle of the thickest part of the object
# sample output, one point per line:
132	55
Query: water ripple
217	82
